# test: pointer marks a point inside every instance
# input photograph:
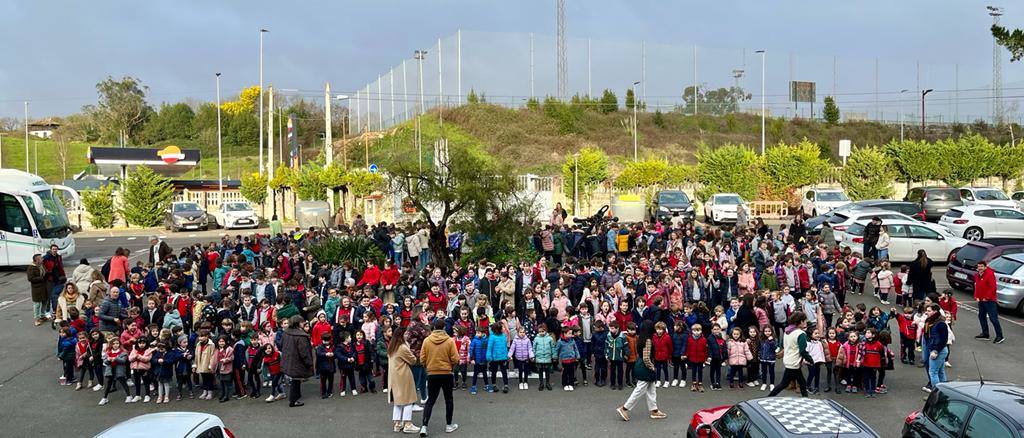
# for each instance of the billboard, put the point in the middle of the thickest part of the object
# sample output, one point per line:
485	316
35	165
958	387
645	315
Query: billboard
801	91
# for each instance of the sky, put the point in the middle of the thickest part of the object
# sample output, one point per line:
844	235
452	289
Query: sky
56	51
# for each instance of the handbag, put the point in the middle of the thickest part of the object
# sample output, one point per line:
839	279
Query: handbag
642	373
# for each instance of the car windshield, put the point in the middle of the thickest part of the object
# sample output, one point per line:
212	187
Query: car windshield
990	195
673	198
53	221
728	200
832	196
855	230
1004	265
969	255
237	206
942	195
186	207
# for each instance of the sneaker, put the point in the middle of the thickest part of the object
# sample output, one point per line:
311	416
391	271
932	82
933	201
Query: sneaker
136	399
451	428
926	389
949	365
104	401
572	388
751	384
281	397
885	303
472	390
504	389
341	394
526	385
675	382
693	387
270	399
565	388
410	428
423	431
682	383
763	386
982	336
658	415
97	387
355	393
78	386
128	399
623	412
385	390
146	399
657	384
417	408
771	387
999	340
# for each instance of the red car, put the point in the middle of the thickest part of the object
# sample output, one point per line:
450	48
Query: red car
779	417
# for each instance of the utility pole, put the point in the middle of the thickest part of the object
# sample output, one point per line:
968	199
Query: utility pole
328	137
270	151
458	64
764	54
440	85
392	75
643	70
561	48
220	156
636	103
531	66
262	31
695	85
380	104
26	136
901	113
405	94
590	91
923	94
419	55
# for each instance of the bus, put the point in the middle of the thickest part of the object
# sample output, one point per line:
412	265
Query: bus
32	218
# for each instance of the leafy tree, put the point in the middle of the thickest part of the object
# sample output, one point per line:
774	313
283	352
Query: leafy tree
121	108
308	183
362	183
831	112
718	102
254	187
468	183
868	174
609	102
533	104
787	167
247	102
100	206
587	169
1012	40
659	119
171	122
630	99
144	197
915	161
567	116
472	98
967	158
728	168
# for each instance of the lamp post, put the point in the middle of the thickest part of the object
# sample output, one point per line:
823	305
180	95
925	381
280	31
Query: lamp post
763	55
262	31
636	103
220	158
901	113
923	94
419	55
26	136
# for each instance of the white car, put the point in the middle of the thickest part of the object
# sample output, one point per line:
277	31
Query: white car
976	222
906	238
721	207
1018	197
842	220
170	425
986	196
821	201
236	214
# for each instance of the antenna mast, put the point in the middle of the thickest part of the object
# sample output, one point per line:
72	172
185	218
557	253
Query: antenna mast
563	64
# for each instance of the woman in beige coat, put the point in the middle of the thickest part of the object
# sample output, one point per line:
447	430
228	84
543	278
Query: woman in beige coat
401	389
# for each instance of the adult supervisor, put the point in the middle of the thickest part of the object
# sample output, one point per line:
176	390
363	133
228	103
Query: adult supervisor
985	293
439	356
794	353
296	358
643	371
402	388
158	250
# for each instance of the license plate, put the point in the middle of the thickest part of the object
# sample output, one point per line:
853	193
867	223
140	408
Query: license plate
191	227
243	221
960	275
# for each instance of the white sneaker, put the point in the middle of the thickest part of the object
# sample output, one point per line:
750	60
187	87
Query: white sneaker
423	431
385	390
572	388
78	386
565	388
97	387
885	302
526	385
682	383
675	382
104	401
146	399
763	386
354	392
451	428
136	399
751	384
417	408
771	387
342	394
657	384
270	398
128	399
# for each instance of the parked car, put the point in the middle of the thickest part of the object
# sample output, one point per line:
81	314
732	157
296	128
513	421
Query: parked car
186	216
911	209
906	237
171	425
975	222
969	409
669	203
1009	270
842	220
1018	197
721	207
822	201
236	214
934	201
962	265
986	196
778	417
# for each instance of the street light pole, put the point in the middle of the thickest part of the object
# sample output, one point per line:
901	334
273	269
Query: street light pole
220	159
419	55
763	55
26	136
636	103
923	94
901	113
262	31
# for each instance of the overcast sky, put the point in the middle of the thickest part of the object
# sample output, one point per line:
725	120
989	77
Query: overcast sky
55	51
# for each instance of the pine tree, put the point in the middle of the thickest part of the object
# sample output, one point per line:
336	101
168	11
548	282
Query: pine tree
144	197
472	97
831	111
659	119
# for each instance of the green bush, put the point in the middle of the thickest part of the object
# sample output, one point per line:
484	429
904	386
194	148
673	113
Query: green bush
868	174
357	250
144	197
653	172
592	165
785	168
100	206
915	160
730	168
566	116
254	187
967	158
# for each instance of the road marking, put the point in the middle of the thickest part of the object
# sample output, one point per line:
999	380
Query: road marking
101	239
1001	317
192	235
132	238
163	237
9	303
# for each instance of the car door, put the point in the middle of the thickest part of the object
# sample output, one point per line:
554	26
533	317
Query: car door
1011	222
15	232
968	196
985	425
987	221
930	241
945	417
899	243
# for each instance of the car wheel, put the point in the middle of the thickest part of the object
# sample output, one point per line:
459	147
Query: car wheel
973	233
1020	307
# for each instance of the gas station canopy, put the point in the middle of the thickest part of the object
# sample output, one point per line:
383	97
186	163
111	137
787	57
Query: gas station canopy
169	161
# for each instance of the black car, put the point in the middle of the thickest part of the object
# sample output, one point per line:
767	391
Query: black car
962	265
911	209
669	203
969	409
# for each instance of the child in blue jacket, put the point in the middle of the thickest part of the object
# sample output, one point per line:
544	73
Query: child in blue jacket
568	354
679	336
183	368
163	363
598	344
478	357
325	365
497	357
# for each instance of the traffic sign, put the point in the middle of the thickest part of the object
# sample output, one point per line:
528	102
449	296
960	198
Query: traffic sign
374	168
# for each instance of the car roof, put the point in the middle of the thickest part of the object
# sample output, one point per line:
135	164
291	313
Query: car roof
936	188
1007	398
979	188
826	189
975	207
867	211
727	194
807	416
168	423
894	222
1017	257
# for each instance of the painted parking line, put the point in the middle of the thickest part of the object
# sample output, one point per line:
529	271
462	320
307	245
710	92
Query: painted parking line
132	238
8	303
1002	318
192	235
101	239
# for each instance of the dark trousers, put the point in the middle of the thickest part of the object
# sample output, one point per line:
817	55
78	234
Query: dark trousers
227	386
907	352
661	368
523	370
141	380
326	383
678	369
86	368
350	376
629	373
788	377
294	391
870	379
252	379
480	369
753	371
275	384
502	366
543	374
112	385
460	370
736	372
616	372
600	369
568	373
696	372
183	380
768	373
814	376
366	379
831	376
716	373
69	370
207	381
437	384
98	371
989	309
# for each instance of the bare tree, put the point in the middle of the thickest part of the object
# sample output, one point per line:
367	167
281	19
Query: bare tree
8	124
63	155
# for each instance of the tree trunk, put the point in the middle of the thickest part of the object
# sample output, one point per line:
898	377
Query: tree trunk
439	248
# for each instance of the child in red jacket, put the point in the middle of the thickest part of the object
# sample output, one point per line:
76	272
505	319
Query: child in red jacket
949	304
662	352
908	334
696	357
872	357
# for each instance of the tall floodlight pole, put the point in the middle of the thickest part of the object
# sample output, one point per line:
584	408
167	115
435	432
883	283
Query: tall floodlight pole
26	136
380	104
901	113
405	94
262	31
531	66
328	135
458	64
590	91
923	94
270	151
643	70
440	85
419	55
392	86
763	56
997	69
220	157
561	48
695	86
636	156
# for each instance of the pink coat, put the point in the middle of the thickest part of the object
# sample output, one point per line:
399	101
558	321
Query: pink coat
224	360
739	352
140	360
118	269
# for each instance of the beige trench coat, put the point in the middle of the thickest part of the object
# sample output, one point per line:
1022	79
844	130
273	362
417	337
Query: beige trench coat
401	389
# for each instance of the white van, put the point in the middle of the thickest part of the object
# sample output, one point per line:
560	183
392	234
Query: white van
32	218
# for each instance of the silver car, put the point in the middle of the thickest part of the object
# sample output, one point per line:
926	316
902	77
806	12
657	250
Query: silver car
1009	270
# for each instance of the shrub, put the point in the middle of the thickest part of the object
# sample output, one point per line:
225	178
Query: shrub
357	250
592	166
868	174
144	197
567	116
785	167
100	206
967	158
730	168
254	187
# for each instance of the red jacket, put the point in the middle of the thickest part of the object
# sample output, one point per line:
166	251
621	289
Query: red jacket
950	306
697	349
985	286
804	277
371	276
871	354
390	276
273	362
907	327
662	346
623	319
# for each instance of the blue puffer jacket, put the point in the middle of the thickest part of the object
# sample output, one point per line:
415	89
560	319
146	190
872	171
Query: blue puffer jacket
478	350
567	350
598	343
497	347
679	342
543	348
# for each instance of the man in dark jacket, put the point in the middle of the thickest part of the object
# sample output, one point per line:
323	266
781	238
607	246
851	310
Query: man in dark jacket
111	314
158	250
37	278
296	358
871	232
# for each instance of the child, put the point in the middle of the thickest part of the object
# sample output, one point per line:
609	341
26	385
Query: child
115	362
543	356
738	355
767	353
831	367
948	303
139	359
615	352
223	363
182	370
204	364
478	358
754	344
462	342
598	344
885	338
720	318
96	343
364	363
568	354
325	365
66	348
521	354
163	365
253	365
382	353
662	342
872	355
346	355
631	355
719	353
818	352
908	334
696	356
497	357
679	351
83	360
272	362
849	361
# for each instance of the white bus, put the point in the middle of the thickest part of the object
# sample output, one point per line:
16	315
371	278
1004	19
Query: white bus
32	218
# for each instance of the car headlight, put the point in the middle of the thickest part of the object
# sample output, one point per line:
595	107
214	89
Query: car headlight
689	207
663	209
177	218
